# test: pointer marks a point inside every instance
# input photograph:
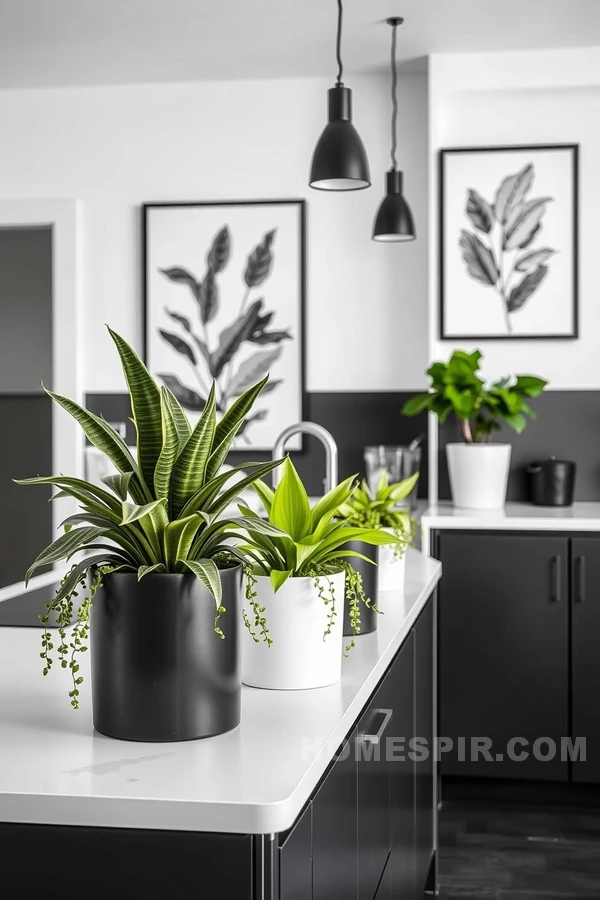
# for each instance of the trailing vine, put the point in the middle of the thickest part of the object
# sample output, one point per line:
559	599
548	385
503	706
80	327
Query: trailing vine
76	642
355	596
260	621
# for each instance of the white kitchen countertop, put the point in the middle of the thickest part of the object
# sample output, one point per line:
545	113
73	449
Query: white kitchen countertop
54	768
513	517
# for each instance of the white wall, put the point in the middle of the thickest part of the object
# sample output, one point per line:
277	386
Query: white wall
115	148
519	98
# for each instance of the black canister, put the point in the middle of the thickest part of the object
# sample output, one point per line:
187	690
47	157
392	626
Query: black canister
552	482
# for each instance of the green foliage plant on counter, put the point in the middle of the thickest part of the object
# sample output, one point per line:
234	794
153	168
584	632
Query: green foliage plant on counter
456	387
163	512
297	541
379	509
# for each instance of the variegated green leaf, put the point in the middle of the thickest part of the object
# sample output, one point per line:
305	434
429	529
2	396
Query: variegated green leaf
63	547
178	538
229	426
145	404
170	449
132	512
230	496
147	570
119	484
190	469
206	570
182	424
265	493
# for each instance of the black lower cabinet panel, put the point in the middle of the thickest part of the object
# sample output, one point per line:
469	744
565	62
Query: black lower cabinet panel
424	729
63	862
402	773
295	860
585	658
335	831
504	653
374	790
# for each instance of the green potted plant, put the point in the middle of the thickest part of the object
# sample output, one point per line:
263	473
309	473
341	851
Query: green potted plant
379	509
300	570
163	583
478	469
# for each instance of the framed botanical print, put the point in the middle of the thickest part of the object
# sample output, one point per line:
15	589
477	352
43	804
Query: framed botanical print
224	300
509	242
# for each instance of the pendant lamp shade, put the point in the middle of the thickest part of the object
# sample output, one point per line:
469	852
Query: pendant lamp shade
339	161
394	220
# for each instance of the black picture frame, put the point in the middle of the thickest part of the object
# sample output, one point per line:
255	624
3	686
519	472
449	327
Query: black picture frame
301	204
444	154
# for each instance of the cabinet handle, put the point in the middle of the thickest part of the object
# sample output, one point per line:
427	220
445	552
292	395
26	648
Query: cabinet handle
580	579
374	736
556	566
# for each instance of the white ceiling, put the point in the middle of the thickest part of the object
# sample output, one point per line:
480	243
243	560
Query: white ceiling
69	42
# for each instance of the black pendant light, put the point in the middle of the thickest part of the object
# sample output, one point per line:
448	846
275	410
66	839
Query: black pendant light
394	220
340	161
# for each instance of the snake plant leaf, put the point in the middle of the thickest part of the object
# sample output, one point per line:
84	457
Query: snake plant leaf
145	404
133	513
206	570
188	398
403	488
119	484
205	498
182	424
63	547
279	578
86	518
229	426
254	523
147	570
291	509
76	487
190	469
178	538
169	451
81	569
99	433
225	499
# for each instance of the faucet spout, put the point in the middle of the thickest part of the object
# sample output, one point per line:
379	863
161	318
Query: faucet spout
326	438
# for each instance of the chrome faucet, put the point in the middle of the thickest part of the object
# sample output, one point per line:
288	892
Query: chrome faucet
326	438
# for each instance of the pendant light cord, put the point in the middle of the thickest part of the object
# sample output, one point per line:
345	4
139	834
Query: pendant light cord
338	43
394	101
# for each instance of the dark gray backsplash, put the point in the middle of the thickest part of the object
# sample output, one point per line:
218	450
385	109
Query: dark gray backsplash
355	420
567	426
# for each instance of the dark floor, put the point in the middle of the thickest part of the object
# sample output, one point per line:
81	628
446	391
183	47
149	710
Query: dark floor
520	853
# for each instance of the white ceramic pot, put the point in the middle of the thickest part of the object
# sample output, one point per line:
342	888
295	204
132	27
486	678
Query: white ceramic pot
392	567
297	619
478	474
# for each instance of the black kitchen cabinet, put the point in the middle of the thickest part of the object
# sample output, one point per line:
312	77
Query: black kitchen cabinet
425	696
585	594
374	787
402	773
334	826
504	652
295	859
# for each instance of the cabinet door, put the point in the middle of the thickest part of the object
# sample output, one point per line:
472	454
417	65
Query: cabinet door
402	773
585	656
295	860
424	729
373	791
334	831
503	652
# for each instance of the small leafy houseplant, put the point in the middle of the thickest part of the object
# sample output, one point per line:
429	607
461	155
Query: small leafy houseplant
478	469
155	538
301	568
380	509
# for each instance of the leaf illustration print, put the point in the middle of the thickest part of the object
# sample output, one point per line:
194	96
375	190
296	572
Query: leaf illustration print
493	252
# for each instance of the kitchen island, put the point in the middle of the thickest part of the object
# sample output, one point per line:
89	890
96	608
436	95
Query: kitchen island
270	810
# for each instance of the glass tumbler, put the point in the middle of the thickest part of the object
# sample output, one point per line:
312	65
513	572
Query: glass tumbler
399	462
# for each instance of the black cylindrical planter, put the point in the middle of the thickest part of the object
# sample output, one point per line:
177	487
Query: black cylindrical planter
159	671
369	572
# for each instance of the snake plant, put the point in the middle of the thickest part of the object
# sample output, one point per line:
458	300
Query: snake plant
379	508
164	510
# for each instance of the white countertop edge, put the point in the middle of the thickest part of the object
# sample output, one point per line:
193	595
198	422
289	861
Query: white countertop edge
582	516
213	816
